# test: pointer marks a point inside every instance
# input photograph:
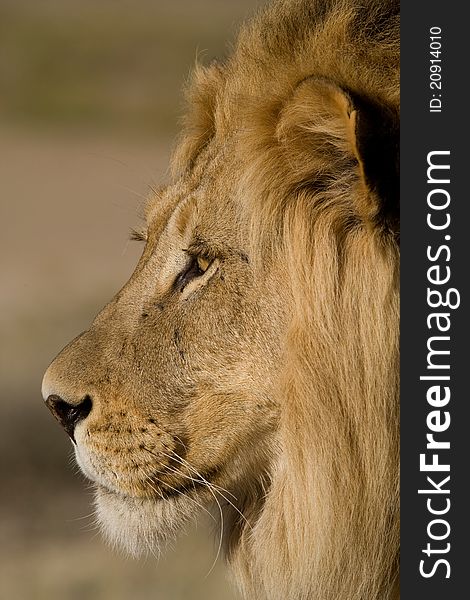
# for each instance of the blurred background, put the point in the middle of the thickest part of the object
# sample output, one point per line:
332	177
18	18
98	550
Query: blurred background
90	96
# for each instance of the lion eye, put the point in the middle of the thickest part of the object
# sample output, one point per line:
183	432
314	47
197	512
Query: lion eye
197	266
203	263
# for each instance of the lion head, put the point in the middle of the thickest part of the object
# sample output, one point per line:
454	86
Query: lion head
251	361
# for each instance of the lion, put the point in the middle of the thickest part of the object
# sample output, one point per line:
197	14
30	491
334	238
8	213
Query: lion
250	364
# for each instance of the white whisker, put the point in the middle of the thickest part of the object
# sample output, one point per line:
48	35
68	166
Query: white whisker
210	485
221	537
152	475
149	478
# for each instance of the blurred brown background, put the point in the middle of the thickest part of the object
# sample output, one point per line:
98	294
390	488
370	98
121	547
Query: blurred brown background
90	94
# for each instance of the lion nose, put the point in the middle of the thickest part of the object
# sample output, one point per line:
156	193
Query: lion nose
69	415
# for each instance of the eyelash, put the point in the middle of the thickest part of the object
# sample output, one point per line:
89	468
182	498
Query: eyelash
137	235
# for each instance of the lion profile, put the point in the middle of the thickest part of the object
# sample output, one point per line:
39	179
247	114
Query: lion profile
251	361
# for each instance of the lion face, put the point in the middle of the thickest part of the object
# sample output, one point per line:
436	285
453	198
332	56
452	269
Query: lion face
169	397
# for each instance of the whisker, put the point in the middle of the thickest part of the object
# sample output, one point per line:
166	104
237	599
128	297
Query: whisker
180	473
149	481
214	485
96	535
201	479
92	527
180	441
134	192
176	456
221	537
149	478
74	519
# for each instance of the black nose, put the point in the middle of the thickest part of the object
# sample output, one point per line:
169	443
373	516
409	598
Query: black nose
69	415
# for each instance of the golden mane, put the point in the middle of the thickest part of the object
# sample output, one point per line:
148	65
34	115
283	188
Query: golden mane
329	527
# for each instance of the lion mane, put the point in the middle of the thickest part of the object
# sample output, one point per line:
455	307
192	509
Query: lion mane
329	526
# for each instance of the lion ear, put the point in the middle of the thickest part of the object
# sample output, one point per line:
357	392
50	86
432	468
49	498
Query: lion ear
376	137
349	130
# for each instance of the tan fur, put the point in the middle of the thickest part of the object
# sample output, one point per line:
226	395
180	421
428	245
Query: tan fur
270	382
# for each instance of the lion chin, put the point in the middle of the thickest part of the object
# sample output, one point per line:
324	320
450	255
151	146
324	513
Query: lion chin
140	526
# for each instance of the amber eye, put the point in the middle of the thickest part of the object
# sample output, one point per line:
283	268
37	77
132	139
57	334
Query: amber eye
196	267
203	263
